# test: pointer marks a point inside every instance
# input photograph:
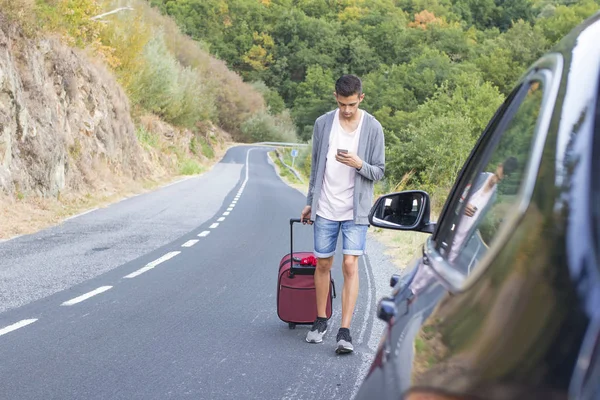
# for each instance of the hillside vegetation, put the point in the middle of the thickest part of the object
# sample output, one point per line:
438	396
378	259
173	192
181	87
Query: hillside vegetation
434	71
164	72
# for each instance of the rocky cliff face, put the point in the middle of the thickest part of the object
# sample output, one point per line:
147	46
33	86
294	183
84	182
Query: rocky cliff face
64	120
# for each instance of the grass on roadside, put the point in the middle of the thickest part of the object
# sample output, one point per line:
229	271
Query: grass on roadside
146	138
188	166
283	171
402	246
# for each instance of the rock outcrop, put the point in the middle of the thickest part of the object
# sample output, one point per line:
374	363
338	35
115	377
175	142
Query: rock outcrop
64	120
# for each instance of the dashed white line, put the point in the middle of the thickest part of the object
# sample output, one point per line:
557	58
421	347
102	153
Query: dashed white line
226	213
213	226
189	243
230	209
204	234
138	272
86	296
164	258
152	264
16	326
221	219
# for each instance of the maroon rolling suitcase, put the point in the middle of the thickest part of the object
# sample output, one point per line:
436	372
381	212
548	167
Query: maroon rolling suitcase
296	295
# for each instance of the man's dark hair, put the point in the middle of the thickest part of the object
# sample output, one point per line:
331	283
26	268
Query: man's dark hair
510	165
348	85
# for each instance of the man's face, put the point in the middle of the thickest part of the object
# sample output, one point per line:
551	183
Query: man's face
349	105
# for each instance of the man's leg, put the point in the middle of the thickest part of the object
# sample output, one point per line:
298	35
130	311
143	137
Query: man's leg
325	235
322	283
350	290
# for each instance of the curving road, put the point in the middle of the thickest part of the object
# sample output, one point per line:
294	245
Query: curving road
171	294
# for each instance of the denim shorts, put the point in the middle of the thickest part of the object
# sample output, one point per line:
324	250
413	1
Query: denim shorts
326	234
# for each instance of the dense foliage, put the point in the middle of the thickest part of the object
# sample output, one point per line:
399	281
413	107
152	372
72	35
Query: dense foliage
434	71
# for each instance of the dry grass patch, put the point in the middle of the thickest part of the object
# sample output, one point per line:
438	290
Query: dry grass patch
402	246
27	215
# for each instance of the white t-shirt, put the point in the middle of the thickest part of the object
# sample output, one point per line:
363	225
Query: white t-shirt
479	199
337	196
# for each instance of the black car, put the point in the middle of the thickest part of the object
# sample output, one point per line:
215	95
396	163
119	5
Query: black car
505	301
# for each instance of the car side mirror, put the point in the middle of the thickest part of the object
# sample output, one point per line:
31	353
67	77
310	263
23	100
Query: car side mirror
407	211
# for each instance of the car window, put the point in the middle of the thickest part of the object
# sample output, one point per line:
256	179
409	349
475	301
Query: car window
490	192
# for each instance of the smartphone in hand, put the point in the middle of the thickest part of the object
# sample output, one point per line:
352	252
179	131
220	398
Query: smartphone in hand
342	151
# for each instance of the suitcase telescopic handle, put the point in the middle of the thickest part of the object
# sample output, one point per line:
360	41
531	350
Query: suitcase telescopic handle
292	222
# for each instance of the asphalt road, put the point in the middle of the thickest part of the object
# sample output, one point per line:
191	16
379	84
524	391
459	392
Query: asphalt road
172	294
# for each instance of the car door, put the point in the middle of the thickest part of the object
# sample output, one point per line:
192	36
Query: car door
487	201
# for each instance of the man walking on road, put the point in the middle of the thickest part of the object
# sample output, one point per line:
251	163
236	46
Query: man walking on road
348	156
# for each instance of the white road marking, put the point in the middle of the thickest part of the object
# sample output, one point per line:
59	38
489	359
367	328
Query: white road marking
152	264
16	326
86	296
368	311
221	219
138	272
230	209
189	243
204	234
80	214
178	181
226	213
247	165
164	258
213	226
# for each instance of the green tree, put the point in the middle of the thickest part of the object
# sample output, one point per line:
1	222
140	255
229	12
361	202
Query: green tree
562	19
314	97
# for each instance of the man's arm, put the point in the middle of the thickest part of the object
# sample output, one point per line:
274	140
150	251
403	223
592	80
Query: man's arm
375	170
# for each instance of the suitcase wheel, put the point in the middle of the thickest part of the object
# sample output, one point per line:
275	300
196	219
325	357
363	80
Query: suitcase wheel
291	325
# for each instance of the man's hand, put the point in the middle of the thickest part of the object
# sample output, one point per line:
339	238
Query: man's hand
470	210
349	159
305	215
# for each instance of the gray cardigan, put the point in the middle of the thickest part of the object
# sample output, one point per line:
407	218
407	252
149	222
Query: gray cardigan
371	149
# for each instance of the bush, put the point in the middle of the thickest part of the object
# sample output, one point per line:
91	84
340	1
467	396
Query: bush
264	127
190	167
22	12
146	138
205	148
169	90
440	134
304	160
174	76
73	19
